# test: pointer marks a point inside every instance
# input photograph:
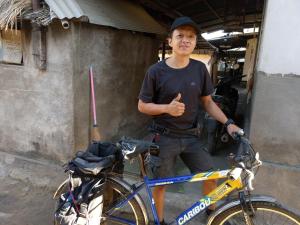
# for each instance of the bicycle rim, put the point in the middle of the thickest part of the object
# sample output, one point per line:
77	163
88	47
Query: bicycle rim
265	213
130	213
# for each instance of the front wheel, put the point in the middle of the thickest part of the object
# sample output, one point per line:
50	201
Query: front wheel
264	213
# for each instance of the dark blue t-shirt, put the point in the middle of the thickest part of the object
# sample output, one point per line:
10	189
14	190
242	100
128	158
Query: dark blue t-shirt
163	83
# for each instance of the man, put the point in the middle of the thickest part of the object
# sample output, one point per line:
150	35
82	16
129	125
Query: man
171	93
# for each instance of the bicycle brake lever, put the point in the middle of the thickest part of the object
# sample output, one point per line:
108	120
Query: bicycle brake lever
257	160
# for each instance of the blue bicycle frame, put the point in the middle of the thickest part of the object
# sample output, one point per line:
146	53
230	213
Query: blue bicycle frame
192	211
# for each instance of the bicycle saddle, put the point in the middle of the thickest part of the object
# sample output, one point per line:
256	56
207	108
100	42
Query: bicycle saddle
132	147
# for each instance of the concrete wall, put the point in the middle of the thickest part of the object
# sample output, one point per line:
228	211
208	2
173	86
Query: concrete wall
120	59
280	42
275	119
36	107
46	113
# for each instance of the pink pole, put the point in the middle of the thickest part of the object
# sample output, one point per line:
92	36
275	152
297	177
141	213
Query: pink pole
93	95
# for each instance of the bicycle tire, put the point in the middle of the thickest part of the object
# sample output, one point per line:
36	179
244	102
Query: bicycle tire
120	186
265	213
133	209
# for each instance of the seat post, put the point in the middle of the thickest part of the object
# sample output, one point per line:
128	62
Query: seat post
142	165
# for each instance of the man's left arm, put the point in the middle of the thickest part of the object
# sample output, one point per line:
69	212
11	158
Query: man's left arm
213	110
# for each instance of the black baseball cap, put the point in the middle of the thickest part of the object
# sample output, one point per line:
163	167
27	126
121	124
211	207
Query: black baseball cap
182	21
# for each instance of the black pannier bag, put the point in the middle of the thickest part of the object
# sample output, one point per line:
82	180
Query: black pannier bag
82	202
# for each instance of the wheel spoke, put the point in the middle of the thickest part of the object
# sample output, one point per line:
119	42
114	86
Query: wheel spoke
130	213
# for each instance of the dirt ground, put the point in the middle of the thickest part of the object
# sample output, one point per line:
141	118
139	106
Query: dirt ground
24	204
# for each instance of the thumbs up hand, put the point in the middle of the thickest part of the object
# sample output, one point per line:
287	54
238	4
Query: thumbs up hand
178	97
175	107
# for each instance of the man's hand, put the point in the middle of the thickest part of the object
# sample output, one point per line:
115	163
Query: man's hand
176	108
232	128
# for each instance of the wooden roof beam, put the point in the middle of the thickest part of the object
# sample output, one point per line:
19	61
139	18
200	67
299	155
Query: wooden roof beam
230	20
187	4
161	7
213	11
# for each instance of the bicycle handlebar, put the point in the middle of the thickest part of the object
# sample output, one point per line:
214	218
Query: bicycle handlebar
246	159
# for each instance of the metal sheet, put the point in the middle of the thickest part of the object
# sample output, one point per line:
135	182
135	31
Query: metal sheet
121	14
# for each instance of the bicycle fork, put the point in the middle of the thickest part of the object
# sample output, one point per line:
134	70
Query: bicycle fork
247	208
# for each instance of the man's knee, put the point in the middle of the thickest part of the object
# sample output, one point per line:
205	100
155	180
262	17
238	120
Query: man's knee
160	189
210	183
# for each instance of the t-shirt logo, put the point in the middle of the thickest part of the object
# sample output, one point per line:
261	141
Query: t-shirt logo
193	83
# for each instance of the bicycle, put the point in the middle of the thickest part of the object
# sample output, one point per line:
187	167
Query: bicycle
127	206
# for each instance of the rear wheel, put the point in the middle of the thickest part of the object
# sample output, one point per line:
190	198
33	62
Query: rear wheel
265	213
131	213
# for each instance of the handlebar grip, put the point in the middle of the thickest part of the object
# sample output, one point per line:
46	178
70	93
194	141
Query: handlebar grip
241	132
237	135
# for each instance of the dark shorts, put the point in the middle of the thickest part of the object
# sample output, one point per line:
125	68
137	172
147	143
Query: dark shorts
191	151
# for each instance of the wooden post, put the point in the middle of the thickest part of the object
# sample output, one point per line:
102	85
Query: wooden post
39	49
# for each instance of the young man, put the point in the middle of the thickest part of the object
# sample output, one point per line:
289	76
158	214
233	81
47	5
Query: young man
171	93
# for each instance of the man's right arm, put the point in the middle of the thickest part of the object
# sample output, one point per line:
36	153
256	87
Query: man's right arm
152	109
174	108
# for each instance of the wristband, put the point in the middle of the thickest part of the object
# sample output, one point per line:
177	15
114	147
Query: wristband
228	122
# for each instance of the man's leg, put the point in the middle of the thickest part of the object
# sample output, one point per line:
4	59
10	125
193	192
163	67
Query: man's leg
208	186
169	150
159	198
197	160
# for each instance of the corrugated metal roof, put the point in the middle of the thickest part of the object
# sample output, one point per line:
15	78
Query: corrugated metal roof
121	14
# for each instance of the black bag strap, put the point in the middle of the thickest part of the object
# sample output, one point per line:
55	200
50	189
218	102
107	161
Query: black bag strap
71	191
